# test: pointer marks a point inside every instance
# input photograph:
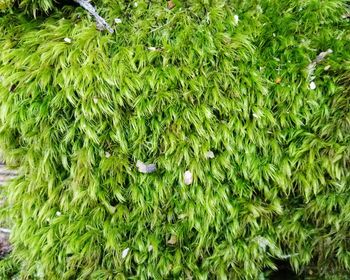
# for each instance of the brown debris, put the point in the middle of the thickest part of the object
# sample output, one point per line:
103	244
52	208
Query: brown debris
170	5
172	240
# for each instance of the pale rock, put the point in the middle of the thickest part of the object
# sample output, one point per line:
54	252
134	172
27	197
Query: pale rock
209	154
145	168
125	252
188	177
67	40
312	85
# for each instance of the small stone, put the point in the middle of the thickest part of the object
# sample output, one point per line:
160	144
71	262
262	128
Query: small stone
125	253
188	177
107	154
146	168
58	213
67	40
312	85
172	240
136	4
117	20
236	19
263	242
209	154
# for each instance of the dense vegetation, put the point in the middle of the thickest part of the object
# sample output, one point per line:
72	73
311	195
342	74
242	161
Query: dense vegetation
249	138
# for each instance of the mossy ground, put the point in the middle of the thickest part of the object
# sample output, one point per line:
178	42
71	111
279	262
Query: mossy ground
80	107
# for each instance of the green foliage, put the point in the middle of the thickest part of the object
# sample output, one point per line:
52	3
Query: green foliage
80	107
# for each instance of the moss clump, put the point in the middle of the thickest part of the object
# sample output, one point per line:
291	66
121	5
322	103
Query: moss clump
216	90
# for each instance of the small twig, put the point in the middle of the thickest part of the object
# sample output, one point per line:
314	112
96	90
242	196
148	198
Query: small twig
5	230
100	21
312	66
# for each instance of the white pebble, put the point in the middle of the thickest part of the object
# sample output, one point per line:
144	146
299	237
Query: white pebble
188	177
236	19
58	213
209	155
136	4
263	242
312	85
67	40
117	20
125	253
145	168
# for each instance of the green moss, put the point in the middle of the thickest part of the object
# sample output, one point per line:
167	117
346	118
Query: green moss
80	107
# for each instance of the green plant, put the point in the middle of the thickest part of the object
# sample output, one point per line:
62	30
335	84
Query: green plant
219	89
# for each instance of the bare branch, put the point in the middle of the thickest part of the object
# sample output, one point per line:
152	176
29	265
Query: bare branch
100	21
